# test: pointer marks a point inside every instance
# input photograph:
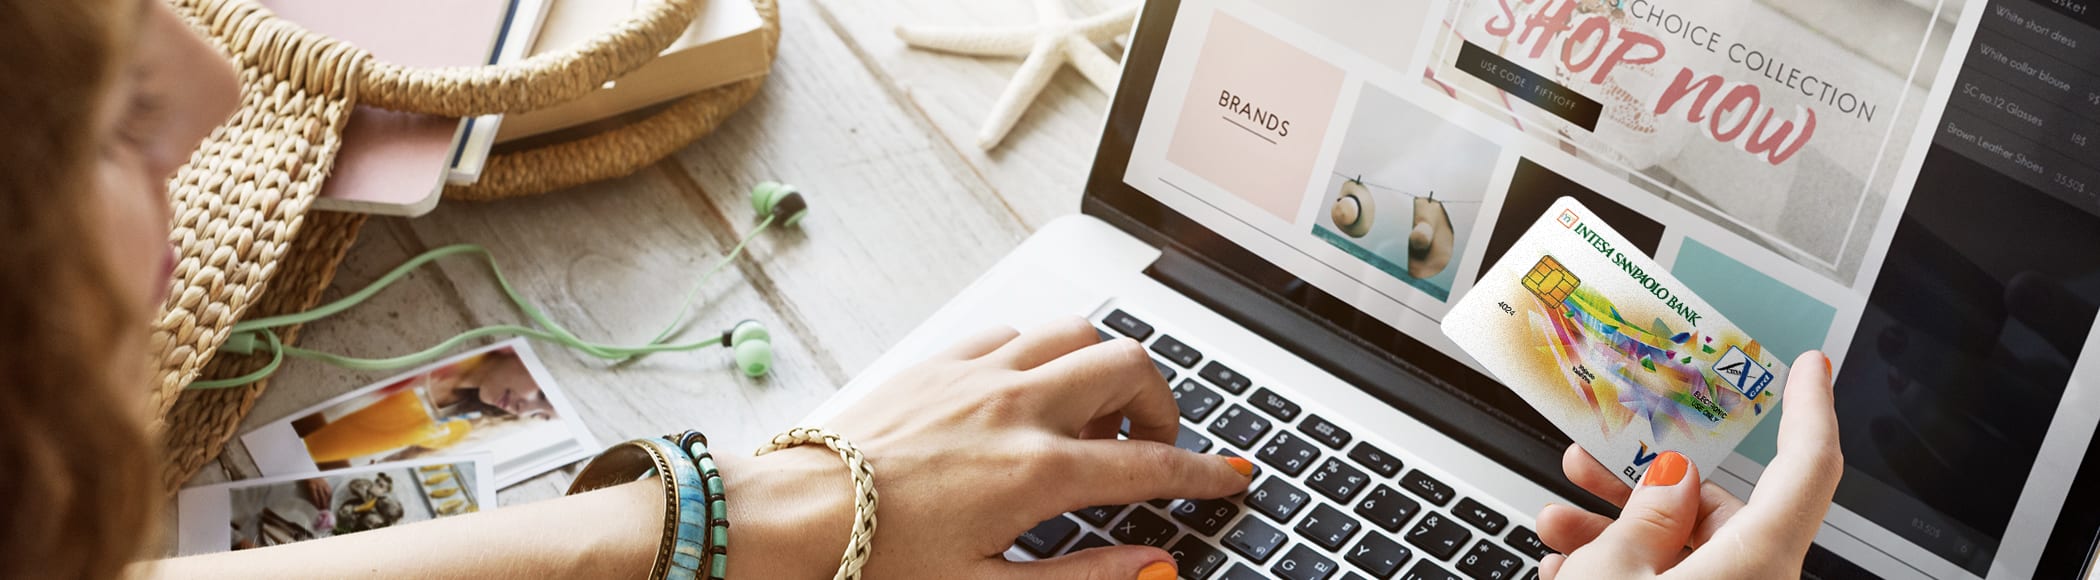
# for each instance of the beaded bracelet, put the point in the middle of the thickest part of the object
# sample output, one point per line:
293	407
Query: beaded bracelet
695	446
691	512
859	544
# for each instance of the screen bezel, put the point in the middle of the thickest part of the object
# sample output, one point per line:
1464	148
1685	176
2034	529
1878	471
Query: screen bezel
1460	401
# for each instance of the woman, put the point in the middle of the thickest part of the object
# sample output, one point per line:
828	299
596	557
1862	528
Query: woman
973	446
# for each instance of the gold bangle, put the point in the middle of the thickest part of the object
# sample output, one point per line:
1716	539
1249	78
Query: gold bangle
858	545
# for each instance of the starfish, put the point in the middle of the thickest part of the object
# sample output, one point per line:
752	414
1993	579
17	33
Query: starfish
1055	40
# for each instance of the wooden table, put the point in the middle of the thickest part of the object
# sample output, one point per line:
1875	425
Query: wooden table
906	211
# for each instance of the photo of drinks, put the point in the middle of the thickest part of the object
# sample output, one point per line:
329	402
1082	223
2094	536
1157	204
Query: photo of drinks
281	510
496	400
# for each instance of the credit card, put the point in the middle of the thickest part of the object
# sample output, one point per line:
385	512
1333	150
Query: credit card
1614	350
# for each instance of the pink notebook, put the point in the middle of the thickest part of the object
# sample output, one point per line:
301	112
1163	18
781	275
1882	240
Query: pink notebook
395	163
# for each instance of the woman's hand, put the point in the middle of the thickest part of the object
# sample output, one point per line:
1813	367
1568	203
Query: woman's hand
970	449
1674	526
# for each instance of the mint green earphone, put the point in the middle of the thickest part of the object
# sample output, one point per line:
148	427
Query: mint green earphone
749	343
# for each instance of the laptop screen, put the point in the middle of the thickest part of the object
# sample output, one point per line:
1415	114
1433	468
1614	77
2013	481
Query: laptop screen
1908	185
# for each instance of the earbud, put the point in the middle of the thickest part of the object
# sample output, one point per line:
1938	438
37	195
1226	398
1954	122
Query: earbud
751	346
780	201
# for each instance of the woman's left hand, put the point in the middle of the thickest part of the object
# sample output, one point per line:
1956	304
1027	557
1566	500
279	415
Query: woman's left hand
971	449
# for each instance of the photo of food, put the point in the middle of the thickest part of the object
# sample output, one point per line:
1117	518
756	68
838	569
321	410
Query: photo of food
282	510
494	400
1403	186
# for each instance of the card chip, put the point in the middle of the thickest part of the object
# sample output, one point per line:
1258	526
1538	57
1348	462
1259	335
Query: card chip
1551	281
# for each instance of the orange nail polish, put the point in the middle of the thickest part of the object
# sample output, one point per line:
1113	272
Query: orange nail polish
1667	470
1243	466
1827	369
1157	571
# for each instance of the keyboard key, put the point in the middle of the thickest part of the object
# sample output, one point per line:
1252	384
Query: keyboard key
1334	437
1088	542
1427	570
1473	512
1129	325
1278	499
1438	536
1242	572
1191	440
1239	427
1177	351
1428	487
1375	459
1336	480
1254	539
1488	562
1532	575
1328	527
1103	335
1165	371
1045	538
1143	527
1354	576
1206	516
1225	378
1526	542
1275	405
1196	558
1289	453
1099	515
1386	508
1379	555
1196	401
1302	563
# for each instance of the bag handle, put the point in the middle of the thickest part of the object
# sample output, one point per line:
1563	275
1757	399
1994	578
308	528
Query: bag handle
254	33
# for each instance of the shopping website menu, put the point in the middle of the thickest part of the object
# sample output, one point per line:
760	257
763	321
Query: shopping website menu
1908	185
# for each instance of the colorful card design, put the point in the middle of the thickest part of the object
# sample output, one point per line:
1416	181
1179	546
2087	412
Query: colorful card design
1613	349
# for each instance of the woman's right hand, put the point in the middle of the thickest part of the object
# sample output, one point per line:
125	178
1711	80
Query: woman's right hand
970	449
1672	526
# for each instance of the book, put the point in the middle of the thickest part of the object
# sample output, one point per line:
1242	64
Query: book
724	44
521	26
395	163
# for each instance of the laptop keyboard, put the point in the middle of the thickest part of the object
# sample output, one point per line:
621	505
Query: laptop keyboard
1324	505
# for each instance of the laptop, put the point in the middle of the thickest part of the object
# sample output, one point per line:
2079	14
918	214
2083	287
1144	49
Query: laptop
1287	196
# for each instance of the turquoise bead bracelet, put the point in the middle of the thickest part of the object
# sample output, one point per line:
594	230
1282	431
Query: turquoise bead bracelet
695	446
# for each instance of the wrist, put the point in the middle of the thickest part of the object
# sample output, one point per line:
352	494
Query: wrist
790	512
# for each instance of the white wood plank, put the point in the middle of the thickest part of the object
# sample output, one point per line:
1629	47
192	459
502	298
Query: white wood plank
1040	170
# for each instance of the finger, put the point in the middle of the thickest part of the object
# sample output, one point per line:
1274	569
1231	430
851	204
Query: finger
1045	343
1140	562
1657	521
1593	477
1111	378
1116	472
1103	427
1794	493
1549	566
980	344
1716	507
1568	528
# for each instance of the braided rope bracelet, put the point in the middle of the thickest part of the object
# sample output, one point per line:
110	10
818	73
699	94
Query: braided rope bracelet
858	545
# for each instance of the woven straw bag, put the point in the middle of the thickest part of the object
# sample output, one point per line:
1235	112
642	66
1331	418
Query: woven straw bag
248	247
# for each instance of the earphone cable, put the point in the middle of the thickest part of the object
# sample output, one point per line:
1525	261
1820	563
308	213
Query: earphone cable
550	330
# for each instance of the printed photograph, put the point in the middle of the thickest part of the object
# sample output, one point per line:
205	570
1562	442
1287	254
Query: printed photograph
496	400
1404	189
1781	120
256	514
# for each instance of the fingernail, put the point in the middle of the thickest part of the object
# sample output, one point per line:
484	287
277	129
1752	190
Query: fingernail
1157	571
1243	466
1827	369
1667	470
